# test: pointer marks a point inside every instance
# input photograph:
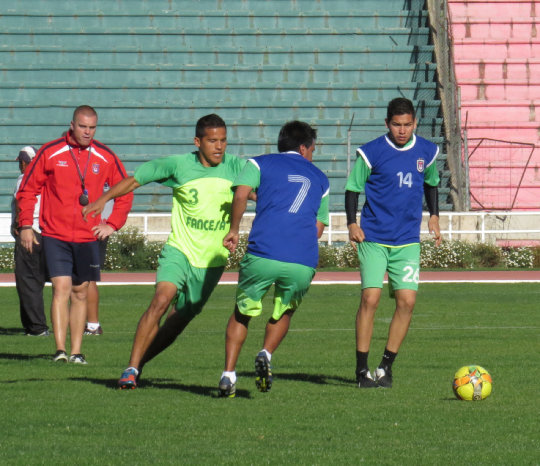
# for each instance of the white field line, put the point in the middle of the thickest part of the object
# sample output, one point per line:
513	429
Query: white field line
315	282
472	327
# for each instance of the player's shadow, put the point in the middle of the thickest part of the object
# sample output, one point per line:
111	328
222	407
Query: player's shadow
24	357
11	331
318	379
6	382
165	384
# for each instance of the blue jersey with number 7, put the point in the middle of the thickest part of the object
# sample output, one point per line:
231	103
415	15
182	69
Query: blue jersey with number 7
292	194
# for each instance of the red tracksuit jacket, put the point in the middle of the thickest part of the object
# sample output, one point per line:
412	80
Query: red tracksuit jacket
53	173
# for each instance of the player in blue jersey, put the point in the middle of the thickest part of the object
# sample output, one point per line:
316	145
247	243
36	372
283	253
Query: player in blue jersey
395	171
291	212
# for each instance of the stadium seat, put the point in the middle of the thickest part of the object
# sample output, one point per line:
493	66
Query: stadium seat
496	54
152	70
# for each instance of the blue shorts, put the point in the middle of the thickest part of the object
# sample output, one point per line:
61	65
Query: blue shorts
102	251
80	261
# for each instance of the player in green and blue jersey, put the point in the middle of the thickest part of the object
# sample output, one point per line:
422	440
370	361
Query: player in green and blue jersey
291	212
395	171
193	258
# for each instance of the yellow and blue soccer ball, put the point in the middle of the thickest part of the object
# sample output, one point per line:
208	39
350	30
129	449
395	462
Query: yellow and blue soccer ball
472	383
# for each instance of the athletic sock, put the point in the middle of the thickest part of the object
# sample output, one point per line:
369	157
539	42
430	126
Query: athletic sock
268	354
361	361
134	368
92	325
387	360
230	374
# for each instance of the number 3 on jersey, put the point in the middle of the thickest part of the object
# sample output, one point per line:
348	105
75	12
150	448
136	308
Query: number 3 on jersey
405	180
301	196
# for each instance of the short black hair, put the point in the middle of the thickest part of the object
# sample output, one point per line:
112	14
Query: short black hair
85	110
208	121
295	134
400	106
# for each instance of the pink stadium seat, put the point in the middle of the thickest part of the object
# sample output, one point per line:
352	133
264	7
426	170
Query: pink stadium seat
499	68
518	132
488	28
481	89
501	110
493	9
497	59
496	48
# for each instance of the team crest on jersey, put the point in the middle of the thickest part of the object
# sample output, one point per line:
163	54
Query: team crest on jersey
420	165
95	168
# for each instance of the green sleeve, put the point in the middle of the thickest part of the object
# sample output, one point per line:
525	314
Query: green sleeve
431	175
249	176
322	214
161	170
358	176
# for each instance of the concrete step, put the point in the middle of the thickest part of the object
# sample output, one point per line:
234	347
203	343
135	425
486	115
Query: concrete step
524	132
497	68
502	89
493	9
159	19
102	75
514	111
162	56
501	28
496	49
177	7
359	93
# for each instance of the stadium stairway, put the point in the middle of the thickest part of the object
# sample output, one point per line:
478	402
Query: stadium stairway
152	70
497	56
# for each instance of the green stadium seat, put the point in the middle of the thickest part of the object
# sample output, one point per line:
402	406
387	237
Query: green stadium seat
154	69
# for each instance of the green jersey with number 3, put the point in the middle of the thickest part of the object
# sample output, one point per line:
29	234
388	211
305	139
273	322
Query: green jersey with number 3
202	199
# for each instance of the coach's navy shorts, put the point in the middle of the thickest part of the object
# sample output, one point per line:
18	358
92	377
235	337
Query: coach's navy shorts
102	251
78	260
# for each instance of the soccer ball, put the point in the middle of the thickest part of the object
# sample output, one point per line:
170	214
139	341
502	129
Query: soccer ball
472	383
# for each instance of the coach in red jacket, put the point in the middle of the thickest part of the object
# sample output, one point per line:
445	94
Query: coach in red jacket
69	173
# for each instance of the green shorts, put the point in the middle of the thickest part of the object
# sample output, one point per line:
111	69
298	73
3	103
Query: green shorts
257	274
402	264
194	285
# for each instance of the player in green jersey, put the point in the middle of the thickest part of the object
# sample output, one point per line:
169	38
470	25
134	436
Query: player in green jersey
193	258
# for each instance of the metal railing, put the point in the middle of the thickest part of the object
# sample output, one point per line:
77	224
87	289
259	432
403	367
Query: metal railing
483	226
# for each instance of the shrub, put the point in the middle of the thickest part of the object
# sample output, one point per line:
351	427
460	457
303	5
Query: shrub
327	256
349	256
486	255
518	257
129	249
536	256
233	262
450	254
7	262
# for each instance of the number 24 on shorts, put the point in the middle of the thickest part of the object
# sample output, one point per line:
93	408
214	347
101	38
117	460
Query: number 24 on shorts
412	274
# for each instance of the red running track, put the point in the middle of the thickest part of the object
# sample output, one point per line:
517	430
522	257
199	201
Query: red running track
504	276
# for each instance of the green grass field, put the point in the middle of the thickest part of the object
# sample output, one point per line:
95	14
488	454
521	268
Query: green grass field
314	414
